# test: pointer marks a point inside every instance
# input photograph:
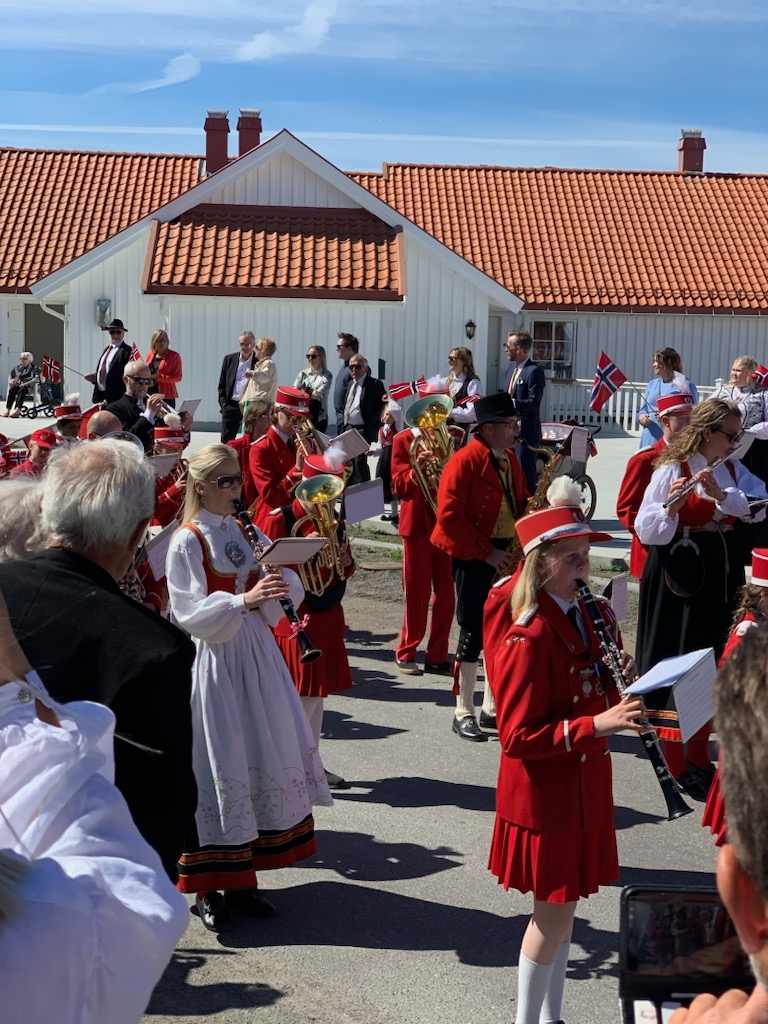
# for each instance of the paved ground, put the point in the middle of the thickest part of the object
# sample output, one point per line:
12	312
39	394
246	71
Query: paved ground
397	920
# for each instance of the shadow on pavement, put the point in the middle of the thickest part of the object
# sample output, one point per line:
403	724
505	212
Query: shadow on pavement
368	686
663	875
175	996
340	914
414	791
339	726
359	856
599	957
627	817
366	638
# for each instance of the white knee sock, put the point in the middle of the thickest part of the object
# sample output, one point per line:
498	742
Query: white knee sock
465	698
313	709
489	704
553	1000
532	984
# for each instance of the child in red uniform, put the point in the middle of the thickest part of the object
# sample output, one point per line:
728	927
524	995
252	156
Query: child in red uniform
556	705
752	612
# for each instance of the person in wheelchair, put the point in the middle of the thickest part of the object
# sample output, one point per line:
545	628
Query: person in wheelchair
19	383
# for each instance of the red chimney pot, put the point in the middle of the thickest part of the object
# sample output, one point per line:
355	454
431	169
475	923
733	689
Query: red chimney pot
216	139
690	151
248	129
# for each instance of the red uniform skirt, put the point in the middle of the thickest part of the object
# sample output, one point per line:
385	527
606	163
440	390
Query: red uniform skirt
329	674
714	811
557	867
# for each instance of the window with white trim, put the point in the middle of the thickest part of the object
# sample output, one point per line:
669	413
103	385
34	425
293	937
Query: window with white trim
554	346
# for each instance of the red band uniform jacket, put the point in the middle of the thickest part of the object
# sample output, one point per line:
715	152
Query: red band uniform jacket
416	517
469	499
637	476
273	471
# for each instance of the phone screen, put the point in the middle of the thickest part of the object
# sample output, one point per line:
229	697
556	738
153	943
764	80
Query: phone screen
682	935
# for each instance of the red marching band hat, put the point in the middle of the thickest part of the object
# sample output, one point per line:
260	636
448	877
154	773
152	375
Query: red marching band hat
316	465
675	401
171	436
760	567
292	400
69	409
562	521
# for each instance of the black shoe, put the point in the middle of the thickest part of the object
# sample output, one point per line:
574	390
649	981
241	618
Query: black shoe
386	518
438	668
336	781
212	911
250	902
488	722
698	771
693	786
467	729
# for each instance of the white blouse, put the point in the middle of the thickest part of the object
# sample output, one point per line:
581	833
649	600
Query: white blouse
97	918
655	525
464	413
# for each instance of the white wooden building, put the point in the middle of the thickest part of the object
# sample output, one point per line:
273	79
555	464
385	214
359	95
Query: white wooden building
411	260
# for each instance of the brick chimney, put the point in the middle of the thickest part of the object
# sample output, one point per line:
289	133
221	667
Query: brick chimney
690	149
216	136
248	129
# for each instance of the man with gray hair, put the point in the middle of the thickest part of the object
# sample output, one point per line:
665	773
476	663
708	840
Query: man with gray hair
137	409
89	641
233	381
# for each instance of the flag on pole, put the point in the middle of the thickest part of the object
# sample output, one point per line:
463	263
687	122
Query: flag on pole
608	380
135	354
406	388
50	369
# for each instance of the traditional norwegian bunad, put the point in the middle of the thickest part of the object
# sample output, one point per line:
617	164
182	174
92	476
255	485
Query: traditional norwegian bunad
753	613
554	831
257	767
325	582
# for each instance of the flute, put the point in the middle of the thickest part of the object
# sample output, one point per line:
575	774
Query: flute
611	655
691	485
308	652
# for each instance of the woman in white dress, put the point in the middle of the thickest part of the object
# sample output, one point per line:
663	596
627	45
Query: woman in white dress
256	764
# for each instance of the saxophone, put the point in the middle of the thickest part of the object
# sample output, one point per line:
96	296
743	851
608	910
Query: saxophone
537	501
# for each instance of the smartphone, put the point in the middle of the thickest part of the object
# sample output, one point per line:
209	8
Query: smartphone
675	942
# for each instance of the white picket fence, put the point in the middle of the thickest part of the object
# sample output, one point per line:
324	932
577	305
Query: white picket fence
569	400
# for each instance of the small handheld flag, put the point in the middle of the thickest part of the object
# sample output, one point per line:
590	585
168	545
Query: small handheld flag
406	388
608	380
760	376
50	369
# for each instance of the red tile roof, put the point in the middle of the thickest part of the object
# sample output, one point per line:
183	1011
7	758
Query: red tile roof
596	239
55	205
276	250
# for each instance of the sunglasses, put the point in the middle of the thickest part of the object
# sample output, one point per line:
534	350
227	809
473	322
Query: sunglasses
229	480
732	437
115	333
356	366
141	380
312	355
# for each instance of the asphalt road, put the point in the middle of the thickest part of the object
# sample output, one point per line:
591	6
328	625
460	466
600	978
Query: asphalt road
397	920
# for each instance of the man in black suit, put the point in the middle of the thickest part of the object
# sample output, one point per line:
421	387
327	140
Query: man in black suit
108	379
136	410
362	410
525	383
89	641
233	380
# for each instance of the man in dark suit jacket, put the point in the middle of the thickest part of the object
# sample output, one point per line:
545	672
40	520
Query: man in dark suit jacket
89	641
135	410
108	379
362	410
525	383
233	380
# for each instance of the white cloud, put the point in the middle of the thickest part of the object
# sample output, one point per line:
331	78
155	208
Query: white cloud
306	35
179	69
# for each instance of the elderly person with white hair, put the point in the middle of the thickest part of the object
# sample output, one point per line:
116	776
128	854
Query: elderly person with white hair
21	532
91	642
19	383
137	410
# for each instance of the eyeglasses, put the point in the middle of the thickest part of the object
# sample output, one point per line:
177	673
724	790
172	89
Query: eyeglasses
226	482
140	380
734	438
312	355
356	366
115	333
452	359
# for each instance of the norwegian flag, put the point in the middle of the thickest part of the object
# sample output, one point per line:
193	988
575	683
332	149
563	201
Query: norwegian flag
760	376
469	400
406	388
50	369
135	354
436	385
608	380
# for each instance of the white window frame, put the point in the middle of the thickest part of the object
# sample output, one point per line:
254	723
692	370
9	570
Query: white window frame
550	366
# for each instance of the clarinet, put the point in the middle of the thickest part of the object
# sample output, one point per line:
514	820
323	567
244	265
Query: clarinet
611	656
308	652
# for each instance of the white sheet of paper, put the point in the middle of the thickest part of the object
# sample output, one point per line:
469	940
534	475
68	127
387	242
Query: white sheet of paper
694	696
156	549
351	442
292	550
668	671
620	597
364	501
163	464
189	405
579	442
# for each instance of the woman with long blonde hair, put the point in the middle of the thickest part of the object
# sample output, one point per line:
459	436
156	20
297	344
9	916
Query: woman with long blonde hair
694	571
256	764
165	366
556	704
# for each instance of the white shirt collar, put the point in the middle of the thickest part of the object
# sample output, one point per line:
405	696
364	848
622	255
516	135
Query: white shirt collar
564	606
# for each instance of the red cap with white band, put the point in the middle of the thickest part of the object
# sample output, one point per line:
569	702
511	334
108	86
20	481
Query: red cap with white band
292	400
675	401
760	567
562	521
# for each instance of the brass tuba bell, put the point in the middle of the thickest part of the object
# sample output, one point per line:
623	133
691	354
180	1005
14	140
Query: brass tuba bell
320	492
429	415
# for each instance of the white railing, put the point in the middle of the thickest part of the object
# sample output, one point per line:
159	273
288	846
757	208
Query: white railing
569	400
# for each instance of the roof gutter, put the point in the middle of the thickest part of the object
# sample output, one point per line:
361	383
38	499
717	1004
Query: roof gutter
53	312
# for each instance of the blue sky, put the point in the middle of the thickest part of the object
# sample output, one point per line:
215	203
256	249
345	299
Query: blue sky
574	83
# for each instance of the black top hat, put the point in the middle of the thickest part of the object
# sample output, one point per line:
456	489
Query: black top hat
115	325
493	408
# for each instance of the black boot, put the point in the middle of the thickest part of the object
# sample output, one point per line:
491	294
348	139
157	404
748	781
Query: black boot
212	911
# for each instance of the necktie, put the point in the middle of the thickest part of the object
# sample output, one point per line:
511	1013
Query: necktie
513	380
575	617
350	401
101	375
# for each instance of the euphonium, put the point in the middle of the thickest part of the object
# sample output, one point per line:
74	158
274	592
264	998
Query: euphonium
309	440
320	493
428	415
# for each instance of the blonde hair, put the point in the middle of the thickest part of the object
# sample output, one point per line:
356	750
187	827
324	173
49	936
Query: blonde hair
202	466
257	407
746	363
269	345
159	335
706	416
530	580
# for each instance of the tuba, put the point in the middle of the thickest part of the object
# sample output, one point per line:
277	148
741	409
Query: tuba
320	493
429	416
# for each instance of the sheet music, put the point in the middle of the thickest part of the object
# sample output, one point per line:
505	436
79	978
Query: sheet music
694	696
156	549
668	671
364	501
189	405
351	442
